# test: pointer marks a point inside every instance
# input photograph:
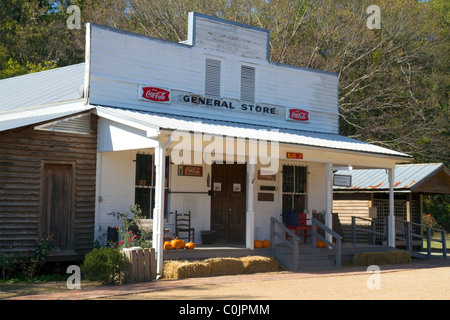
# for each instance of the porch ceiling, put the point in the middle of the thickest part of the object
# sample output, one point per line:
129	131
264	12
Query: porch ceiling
240	130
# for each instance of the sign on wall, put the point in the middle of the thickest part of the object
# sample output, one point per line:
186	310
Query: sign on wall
297	114
191	171
154	94
341	180
294	155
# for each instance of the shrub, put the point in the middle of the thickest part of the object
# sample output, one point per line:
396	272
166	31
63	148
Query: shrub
106	265
130	235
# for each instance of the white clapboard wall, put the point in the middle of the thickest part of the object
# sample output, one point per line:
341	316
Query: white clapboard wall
119	63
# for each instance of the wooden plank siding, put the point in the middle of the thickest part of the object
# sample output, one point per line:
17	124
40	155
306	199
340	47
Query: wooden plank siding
24	154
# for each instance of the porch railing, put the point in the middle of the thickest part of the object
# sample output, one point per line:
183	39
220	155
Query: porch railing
408	233
293	241
337	246
371	230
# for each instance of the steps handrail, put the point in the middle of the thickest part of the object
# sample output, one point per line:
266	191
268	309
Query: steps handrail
370	231
295	240
337	246
409	234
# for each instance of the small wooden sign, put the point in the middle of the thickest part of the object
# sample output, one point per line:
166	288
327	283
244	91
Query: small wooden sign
191	171
266	175
294	155
341	180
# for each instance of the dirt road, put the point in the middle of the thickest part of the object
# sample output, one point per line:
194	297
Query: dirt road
421	282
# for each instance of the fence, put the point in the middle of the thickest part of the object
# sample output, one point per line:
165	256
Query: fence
142	265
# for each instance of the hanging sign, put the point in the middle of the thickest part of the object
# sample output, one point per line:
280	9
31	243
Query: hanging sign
341	180
294	155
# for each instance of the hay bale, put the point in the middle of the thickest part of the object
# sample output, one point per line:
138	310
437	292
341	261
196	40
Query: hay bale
225	266
175	269
380	258
255	264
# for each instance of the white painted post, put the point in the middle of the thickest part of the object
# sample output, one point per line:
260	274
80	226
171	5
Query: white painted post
329	198
391	217
250	216
158	212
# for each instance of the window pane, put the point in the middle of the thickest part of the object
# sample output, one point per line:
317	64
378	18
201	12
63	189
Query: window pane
299	203
288	179
144	169
142	198
300	179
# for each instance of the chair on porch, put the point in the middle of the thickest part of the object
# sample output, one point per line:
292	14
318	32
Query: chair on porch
183	226
298	223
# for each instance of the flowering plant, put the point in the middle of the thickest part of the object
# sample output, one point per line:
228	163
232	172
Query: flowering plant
130	235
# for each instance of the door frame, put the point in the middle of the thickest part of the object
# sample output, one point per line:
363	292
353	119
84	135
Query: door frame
243	188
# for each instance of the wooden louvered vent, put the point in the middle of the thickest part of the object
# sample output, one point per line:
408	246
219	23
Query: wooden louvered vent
247	83
80	124
212	77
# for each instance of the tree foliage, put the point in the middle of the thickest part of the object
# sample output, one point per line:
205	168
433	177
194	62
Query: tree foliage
393	82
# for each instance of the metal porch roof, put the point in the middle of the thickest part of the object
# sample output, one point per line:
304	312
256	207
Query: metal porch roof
407	177
233	129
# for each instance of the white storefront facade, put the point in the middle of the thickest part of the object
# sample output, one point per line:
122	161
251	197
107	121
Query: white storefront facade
213	127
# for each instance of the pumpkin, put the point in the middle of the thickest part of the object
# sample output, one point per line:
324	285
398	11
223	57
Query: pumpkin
189	245
319	244
167	245
257	244
324	244
177	244
266	244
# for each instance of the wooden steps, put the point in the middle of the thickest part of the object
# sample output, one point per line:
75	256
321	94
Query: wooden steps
316	259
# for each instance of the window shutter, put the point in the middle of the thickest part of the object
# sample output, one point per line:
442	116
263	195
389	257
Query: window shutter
247	83
212	77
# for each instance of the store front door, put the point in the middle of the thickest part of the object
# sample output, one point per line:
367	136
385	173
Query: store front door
228	202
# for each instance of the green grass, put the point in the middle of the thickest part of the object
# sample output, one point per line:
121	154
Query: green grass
435	244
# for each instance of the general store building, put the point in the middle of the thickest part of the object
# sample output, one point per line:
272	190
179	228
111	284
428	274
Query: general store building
211	126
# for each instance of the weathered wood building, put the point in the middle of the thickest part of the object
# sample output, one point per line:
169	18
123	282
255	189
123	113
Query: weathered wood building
47	164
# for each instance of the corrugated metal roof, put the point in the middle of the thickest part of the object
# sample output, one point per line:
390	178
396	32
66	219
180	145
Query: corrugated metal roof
39	88
27	116
240	130
406	177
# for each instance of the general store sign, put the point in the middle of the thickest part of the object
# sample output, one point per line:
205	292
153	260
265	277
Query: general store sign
163	95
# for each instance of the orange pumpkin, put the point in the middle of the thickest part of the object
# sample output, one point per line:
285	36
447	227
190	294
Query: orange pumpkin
177	243
324	244
319	244
266	244
167	245
189	245
257	244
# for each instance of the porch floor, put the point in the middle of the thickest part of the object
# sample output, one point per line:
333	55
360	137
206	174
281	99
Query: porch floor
202	251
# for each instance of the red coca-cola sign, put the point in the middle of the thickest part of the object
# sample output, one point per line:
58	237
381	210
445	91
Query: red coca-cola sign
155	94
298	115
193	171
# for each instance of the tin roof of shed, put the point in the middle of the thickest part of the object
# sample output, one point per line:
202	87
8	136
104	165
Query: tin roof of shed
407	177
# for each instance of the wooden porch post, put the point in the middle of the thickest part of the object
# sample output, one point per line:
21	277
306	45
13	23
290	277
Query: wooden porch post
250	216
158	212
391	217
329	198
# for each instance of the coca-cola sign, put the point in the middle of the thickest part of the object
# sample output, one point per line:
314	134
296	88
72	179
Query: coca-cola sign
297	115
154	94
192	171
